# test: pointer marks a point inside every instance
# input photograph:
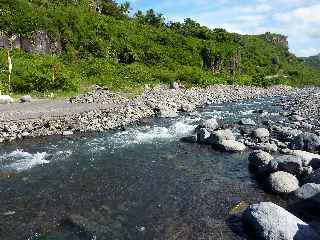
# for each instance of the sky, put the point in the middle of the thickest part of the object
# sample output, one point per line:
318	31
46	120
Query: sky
297	19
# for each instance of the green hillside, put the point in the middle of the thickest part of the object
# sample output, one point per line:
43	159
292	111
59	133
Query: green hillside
313	61
102	45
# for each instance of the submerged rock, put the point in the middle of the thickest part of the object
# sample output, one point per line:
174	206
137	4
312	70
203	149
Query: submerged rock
190	139
269	221
282	183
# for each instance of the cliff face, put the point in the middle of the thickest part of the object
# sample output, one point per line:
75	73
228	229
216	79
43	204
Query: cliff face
276	39
39	43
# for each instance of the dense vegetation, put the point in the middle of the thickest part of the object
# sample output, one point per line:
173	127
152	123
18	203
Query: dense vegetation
313	61
103	45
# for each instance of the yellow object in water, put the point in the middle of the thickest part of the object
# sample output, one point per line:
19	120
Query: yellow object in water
239	208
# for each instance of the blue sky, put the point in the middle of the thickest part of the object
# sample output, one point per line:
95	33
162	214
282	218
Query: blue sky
298	19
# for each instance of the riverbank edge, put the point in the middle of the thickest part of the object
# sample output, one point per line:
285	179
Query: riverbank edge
158	101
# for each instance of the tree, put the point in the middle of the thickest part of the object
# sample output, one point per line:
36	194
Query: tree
151	18
111	8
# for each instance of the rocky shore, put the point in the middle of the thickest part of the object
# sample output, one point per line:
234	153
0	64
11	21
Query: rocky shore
285	159
103	110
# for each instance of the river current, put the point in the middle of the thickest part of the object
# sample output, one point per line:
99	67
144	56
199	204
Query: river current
140	183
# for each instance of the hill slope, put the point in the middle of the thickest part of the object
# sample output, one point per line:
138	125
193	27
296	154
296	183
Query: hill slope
68	43
313	61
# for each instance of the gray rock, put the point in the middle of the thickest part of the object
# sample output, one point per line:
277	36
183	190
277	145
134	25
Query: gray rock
288	163
259	162
166	112
306	156
262	134
285	133
202	135
231	146
217	137
25	99
308	190
247	122
210	124
186	108
267	147
268	221
306	141
282	183
5	99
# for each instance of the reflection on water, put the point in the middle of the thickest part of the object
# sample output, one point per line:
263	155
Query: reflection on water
141	183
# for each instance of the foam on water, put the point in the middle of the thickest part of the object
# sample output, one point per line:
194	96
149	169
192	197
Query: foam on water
20	160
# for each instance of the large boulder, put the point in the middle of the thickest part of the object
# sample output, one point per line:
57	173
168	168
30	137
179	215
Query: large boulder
5	99
288	163
268	221
218	136
259	162
231	146
282	183
306	141
210	124
262	134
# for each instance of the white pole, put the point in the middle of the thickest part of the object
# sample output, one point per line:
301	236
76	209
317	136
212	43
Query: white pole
10	69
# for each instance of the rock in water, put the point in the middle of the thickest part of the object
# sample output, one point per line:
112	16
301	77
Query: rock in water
217	137
210	124
306	141
268	221
282	183
308	190
231	146
259	162
202	135
25	99
247	122
5	99
262	134
288	163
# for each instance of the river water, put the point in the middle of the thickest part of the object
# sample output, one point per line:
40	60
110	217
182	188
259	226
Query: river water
141	183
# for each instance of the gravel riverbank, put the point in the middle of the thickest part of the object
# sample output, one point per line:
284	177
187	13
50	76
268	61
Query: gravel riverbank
103	110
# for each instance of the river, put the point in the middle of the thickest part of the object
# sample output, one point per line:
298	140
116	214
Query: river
140	183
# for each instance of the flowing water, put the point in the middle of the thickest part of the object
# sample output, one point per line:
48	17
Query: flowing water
141	183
